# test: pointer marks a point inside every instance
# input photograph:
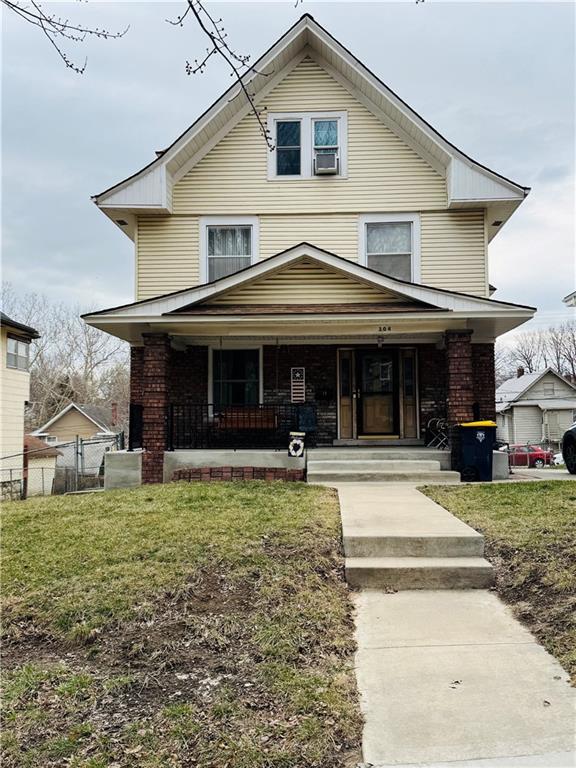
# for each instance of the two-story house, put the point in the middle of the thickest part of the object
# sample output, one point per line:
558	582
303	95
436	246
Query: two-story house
337	283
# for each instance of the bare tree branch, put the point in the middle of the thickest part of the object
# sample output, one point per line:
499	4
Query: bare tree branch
58	29
239	64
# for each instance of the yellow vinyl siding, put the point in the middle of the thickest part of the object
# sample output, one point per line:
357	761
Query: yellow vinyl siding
14	391
384	175
337	233
383	172
453	251
167	254
452	247
306	283
71	424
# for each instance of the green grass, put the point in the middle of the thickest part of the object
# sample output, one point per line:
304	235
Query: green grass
530	531
187	624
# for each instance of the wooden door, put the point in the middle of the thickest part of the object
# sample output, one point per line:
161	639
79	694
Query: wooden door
377	391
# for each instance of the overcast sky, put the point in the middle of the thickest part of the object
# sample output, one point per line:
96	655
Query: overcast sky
497	79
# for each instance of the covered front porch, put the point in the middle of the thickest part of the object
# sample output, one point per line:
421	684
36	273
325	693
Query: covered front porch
234	394
305	342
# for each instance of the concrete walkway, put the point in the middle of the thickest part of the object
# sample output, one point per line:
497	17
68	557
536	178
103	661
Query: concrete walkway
449	676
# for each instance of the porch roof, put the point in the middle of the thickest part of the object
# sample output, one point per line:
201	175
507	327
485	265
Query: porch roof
300	292
308	309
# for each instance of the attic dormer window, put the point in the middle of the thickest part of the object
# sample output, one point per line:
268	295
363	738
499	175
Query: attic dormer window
308	145
288	147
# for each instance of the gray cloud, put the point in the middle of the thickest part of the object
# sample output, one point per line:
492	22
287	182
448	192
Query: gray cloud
497	79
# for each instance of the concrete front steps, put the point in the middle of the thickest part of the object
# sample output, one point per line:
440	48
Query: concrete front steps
397	538
350	465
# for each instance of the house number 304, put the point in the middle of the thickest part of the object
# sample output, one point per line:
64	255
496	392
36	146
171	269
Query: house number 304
384	328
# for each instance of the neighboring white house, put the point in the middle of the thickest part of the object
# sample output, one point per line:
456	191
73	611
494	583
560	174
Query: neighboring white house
41	466
535	407
570	300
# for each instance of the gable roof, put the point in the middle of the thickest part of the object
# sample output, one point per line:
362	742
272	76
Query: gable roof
100	415
10	324
469	182
182	300
510	390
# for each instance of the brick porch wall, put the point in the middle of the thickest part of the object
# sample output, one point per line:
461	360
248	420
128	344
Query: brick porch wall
189	375
433	384
320	363
195	474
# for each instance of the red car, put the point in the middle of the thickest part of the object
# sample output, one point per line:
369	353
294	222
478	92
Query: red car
529	456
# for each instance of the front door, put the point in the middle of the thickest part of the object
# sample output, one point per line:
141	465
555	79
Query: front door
377	408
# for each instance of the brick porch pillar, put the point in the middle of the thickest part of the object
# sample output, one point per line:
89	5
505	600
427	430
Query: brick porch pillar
459	374
155	379
484	375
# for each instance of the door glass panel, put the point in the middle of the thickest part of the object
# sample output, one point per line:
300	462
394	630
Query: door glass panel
345	378
377	374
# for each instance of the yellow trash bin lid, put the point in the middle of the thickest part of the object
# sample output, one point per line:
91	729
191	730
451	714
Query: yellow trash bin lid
479	424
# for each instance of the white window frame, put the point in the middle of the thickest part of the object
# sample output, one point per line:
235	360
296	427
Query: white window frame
306	120
235	345
226	221
26	357
391	218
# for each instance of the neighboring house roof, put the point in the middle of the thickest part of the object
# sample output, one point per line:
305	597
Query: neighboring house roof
171	308
100	415
509	391
38	449
570	300
7	322
468	181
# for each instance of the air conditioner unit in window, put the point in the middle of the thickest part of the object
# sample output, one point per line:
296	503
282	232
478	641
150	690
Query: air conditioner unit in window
326	163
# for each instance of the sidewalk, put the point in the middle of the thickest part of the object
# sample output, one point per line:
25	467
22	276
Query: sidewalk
448	676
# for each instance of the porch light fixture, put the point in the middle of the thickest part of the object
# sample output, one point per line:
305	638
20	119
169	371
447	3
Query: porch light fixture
122	222
380	342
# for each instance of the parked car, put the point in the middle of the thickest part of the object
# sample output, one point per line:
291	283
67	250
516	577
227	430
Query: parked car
529	456
569	449
558	460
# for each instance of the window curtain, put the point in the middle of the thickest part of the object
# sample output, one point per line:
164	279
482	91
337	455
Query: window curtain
393	237
229	250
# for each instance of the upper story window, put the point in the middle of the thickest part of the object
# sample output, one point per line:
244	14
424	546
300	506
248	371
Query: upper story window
228	244
18	353
308	144
288	148
390	244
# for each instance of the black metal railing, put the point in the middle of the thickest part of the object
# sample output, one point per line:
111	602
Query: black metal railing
238	426
135	427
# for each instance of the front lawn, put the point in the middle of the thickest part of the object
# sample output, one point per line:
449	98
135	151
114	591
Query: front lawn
530	531
180	625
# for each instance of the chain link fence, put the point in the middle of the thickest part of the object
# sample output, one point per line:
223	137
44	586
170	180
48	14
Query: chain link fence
77	465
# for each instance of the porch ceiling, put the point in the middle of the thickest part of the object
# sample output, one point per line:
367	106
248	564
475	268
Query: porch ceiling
423	326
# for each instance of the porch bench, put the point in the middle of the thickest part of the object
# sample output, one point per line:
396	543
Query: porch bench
243	418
